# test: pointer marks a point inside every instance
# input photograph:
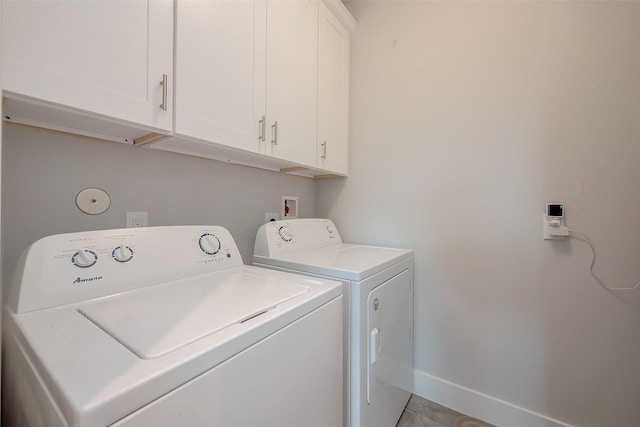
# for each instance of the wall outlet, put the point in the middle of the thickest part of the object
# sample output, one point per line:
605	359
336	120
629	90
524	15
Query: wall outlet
554	228
271	216
137	219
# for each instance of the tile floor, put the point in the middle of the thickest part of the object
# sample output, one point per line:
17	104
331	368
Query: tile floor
421	412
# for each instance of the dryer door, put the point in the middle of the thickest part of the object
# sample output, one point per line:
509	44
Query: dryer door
390	336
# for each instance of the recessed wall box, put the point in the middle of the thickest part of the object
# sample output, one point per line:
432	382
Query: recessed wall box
289	207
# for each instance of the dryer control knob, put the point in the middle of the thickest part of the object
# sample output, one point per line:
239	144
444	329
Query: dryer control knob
84	258
122	253
209	244
285	234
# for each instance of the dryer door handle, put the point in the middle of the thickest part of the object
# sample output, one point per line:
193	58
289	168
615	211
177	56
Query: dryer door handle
375	345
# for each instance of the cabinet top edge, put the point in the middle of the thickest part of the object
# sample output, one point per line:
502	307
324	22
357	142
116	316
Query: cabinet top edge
342	13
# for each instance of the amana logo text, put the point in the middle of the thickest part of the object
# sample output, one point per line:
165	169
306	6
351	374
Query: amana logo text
80	280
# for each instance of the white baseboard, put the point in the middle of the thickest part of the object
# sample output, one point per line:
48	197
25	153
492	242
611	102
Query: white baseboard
478	405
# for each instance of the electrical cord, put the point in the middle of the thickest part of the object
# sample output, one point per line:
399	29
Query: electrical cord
586	239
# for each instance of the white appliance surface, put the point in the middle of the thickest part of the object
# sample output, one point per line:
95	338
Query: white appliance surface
93	345
342	261
154	322
378	289
314	245
389	362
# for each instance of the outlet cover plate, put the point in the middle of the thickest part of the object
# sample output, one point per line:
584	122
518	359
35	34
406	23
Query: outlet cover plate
137	219
271	216
546	229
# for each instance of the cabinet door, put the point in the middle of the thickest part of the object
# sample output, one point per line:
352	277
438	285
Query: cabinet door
333	93
104	57
292	59
220	71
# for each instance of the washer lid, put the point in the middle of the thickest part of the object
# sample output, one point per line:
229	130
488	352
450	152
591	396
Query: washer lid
343	261
155	321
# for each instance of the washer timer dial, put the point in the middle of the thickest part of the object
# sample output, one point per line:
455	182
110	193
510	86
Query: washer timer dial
209	244
122	253
84	258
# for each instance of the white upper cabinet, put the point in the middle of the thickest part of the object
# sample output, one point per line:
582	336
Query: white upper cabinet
220	72
257	82
247	78
292	79
107	58
333	93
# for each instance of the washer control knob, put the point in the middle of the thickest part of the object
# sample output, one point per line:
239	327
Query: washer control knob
84	258
285	234
209	244
122	253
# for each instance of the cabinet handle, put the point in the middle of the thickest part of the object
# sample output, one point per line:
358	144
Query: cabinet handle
274	133
324	150
163	83
261	136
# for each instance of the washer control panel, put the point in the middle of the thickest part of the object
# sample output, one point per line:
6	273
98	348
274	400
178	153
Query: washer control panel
77	266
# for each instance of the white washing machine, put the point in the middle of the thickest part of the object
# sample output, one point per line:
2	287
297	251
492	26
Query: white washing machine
378	289
164	326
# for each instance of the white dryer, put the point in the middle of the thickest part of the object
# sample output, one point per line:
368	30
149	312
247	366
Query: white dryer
164	326
378	289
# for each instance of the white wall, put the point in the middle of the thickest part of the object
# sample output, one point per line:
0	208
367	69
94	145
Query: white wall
43	173
467	118
1	251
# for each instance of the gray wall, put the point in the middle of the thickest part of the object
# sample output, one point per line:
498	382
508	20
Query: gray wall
43	173
466	119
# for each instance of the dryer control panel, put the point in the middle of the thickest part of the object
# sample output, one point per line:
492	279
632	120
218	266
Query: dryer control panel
65	268
278	238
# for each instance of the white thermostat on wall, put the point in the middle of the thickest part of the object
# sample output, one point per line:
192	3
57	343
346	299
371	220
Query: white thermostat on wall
555	210
553	222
